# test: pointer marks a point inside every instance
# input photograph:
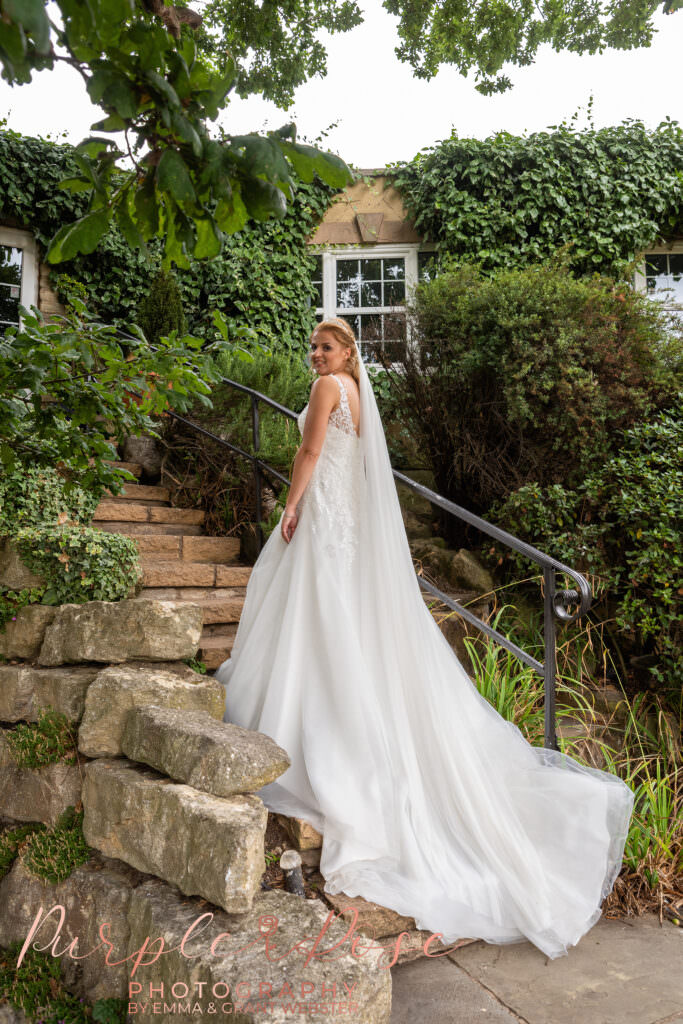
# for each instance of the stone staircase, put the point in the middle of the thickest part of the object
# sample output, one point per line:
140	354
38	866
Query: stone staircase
179	562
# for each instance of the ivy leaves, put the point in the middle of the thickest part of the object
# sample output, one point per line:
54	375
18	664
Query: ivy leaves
156	87
507	201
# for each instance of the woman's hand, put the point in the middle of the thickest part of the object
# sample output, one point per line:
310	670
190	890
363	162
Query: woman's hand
288	523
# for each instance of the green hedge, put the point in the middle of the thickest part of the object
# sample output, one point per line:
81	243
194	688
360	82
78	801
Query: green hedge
510	200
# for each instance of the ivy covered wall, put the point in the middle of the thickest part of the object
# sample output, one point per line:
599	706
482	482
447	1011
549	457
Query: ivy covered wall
507	200
262	278
504	201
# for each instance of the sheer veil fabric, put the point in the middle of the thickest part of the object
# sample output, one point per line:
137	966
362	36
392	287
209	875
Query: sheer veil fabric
429	802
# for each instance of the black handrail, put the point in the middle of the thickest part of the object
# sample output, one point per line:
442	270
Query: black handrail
555	602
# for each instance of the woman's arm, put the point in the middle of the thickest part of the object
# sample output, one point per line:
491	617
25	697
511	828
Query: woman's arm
324	395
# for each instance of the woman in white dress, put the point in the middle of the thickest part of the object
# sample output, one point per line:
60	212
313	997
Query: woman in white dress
429	802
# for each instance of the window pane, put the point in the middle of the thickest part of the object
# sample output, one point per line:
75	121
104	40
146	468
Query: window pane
676	272
664	280
347	270
395	350
317	280
371	327
655	263
9	305
371	270
11	261
394	292
10	264
394	270
371	294
354	322
348	294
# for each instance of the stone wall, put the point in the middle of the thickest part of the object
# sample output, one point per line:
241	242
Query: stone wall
48	303
175	829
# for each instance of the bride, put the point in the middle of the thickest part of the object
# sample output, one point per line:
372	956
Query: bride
429	802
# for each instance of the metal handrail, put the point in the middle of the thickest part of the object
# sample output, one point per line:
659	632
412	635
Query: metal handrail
555	602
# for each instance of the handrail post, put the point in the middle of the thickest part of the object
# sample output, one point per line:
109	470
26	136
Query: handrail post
549	660
257	470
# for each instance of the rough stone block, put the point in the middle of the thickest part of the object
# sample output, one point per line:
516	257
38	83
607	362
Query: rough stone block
95	893
26	690
215	756
36	794
269	982
302	834
118	688
23	637
205	845
117	631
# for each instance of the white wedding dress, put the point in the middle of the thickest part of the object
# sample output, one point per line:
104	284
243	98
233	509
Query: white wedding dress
429	802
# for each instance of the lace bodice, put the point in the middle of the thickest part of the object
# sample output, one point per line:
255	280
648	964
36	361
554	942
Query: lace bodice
331	498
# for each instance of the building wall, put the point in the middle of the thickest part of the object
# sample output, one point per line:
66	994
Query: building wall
371	212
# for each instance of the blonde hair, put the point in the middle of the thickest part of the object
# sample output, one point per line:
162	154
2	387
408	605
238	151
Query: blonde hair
342	331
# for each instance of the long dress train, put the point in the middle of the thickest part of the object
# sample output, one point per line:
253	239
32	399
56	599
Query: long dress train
429	802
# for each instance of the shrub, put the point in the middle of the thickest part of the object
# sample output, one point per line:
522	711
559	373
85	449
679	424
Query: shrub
622	526
79	563
36	496
507	201
529	376
161	310
48	524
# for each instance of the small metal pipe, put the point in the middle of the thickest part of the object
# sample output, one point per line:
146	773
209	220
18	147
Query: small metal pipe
549	660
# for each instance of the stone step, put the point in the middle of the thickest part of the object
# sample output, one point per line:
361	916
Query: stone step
121	511
195	595
224	629
193	574
141	492
133	467
216	609
214	650
133	529
221	550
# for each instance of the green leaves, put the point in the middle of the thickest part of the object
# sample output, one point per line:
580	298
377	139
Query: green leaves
81	236
601	195
163	92
173	177
32	17
307	162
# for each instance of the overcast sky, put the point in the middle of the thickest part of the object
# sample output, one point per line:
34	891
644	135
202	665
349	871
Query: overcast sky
384	114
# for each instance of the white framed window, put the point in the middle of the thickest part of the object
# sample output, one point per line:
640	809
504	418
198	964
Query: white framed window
18	274
660	275
368	286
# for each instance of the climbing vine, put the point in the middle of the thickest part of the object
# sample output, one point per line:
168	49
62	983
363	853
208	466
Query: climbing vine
261	279
507	200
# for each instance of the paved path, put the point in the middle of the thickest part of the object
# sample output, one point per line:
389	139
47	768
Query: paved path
625	971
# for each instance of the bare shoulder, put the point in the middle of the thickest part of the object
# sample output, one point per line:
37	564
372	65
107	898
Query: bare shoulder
325	388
